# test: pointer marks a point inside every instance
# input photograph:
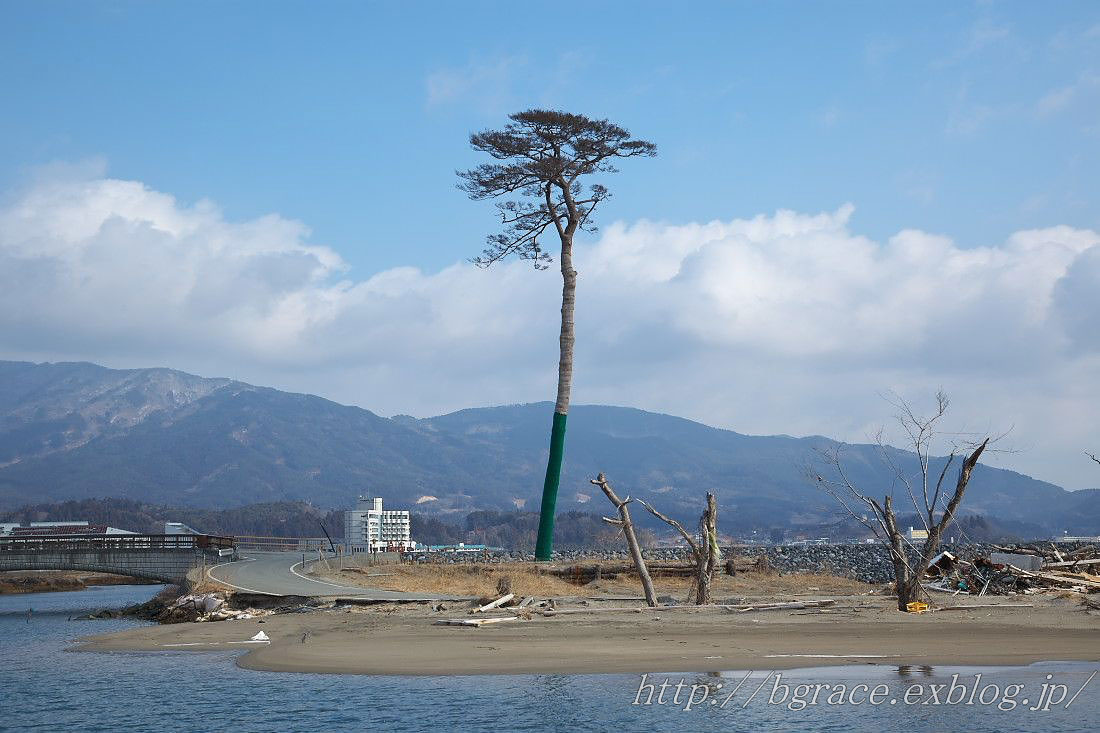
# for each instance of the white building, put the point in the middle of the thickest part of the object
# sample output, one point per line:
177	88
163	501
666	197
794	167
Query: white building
368	528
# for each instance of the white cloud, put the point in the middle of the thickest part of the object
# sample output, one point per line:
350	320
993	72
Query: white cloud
782	323
491	84
1060	99
487	80
966	119
1055	101
981	37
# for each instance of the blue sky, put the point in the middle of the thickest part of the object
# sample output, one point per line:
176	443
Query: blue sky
970	120
849	199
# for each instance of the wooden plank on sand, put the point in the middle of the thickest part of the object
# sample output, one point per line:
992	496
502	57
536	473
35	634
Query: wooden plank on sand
498	602
793	606
475	622
968	607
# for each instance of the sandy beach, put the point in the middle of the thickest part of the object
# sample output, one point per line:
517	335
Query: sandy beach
398	639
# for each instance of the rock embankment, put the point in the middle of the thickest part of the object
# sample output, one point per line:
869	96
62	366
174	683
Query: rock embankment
866	562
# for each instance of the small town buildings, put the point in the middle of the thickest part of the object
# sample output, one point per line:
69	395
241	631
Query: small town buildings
178	528
38	529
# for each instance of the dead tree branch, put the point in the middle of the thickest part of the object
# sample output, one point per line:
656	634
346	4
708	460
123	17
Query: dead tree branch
627	527
676	526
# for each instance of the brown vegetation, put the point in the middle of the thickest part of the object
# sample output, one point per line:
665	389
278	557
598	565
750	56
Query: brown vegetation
472	579
530	579
44	581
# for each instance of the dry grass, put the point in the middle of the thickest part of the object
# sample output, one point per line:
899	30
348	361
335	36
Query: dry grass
763	584
474	579
528	579
207	585
745	584
199	582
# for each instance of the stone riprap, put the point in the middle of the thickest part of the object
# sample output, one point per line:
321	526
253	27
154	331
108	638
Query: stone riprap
866	562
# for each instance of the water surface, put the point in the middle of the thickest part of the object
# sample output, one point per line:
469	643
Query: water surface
43	687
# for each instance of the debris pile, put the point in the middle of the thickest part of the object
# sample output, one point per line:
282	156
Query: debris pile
1017	569
206	607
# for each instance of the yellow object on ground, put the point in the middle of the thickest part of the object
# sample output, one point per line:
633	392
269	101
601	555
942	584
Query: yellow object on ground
916	607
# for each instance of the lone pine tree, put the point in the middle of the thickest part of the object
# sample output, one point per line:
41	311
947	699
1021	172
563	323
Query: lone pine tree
541	162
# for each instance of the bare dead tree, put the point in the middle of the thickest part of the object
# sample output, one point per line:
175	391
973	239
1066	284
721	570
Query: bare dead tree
708	533
934	502
1092	456
705	553
541	157
627	526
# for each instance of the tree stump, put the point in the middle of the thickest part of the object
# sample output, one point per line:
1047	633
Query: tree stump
504	586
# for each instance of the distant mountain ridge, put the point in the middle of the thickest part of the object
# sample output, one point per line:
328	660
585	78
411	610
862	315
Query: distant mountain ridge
78	430
47	407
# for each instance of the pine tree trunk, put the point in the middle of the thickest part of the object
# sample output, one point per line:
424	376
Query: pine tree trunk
566	338
544	546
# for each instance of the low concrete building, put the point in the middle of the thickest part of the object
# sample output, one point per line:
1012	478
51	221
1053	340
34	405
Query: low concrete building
370	528
178	528
58	528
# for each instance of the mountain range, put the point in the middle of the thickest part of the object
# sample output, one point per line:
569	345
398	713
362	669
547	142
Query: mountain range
78	430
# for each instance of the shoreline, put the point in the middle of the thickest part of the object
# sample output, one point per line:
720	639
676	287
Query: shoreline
390	640
23	582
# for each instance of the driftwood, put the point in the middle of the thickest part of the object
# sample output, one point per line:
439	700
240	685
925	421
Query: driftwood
611	609
985	605
792	606
734	608
1017	550
624	523
1070	579
1071	563
582	574
498	602
475	622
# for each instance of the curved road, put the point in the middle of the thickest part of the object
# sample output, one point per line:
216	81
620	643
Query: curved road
282	574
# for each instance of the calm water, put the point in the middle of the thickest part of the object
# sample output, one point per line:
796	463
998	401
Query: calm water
42	687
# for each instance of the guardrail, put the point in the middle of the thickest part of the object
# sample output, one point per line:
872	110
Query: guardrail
282	544
33	543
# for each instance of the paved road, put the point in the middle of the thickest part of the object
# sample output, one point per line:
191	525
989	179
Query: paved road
282	574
